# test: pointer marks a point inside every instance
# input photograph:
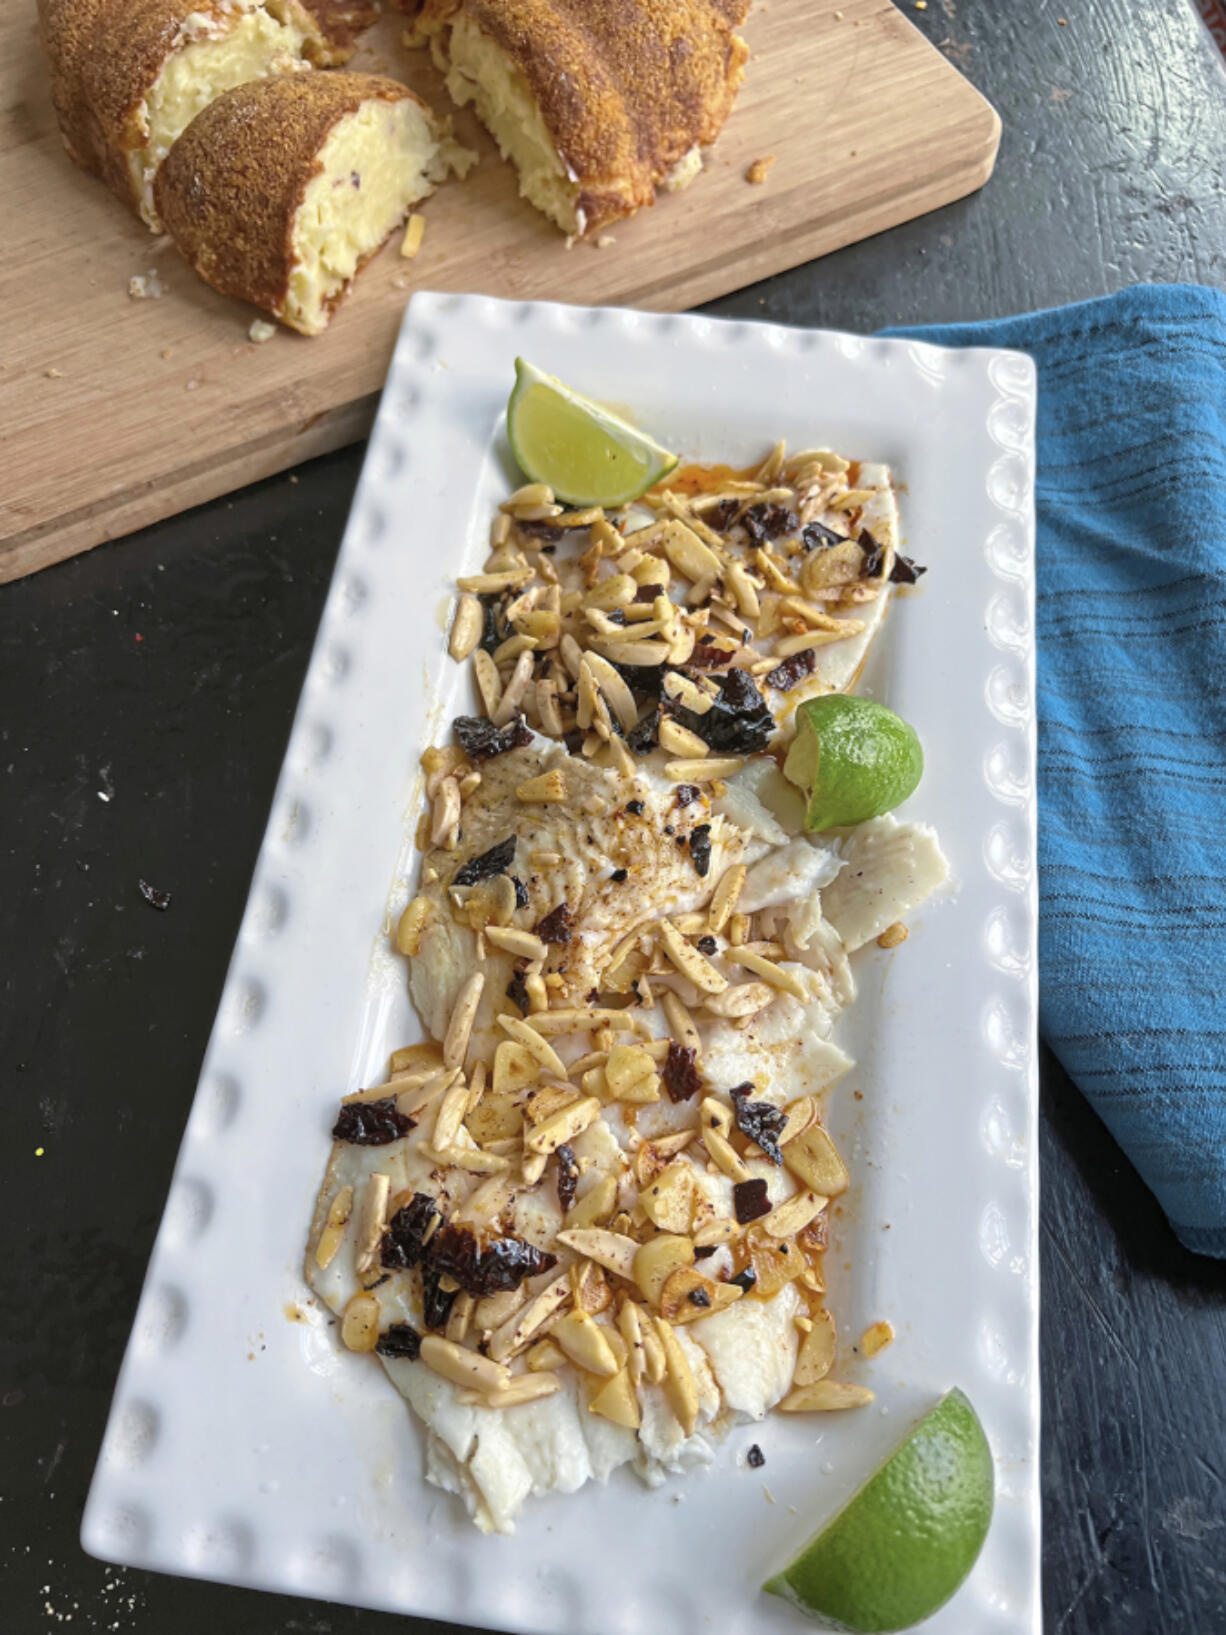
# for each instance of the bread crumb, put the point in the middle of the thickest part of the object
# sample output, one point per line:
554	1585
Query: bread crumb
414	232
758	170
893	935
55	374
166	352
145	286
261	330
604	241
876	1337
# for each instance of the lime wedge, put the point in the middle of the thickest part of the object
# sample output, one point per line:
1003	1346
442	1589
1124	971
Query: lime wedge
585	454
853	758
904	1543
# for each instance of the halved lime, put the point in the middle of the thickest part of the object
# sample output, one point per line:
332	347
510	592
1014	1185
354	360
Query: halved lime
853	758
902	1545
587	455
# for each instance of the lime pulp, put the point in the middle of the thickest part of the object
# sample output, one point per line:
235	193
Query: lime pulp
853	758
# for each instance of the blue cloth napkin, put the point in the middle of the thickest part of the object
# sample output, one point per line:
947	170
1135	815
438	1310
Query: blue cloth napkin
1131	501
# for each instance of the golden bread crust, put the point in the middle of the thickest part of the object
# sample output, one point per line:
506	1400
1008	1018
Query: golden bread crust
229	188
626	87
105	57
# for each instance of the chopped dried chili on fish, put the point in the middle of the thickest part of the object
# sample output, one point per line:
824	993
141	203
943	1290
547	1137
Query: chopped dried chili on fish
646	735
681	1076
497	860
709	656
404	1240
619	875
648	593
483	740
521	892
568	1176
493	1266
905	571
739	721
792	671
874	554
436	1301
700	849
635	806
399	1340
719	516
749	1203
763	522
698	1297
761	1121
517	989
816	536
555	926
685	794
755	1458
707	945
745	1280
371	1123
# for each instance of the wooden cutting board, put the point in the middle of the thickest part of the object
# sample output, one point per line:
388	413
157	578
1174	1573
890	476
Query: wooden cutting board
115	411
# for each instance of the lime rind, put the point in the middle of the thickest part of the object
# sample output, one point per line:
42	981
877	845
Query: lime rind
585	453
853	758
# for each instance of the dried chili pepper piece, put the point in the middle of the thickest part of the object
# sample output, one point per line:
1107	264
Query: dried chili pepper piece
371	1123
644	737
792	671
493	1266
568	1176
764	522
739	721
681	1076
554	927
700	849
749	1202
761	1121
755	1458
517	989
399	1340
816	536
905	571
497	860
436	1302
482	740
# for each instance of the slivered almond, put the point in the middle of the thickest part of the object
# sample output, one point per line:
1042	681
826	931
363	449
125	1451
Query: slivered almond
533	1042
793	1215
487	1201
450	1116
486	584
680	1022
688	960
529	494
679	740
513	692
465	627
514	941
616	1401
826	1396
571	654
590	1287
444	810
411	1102
563	1126
548	713
458	1318
459	1028
713	1233
360	1322
788	981
474	1160
814	1157
679	1385
876	1337
700	771
688	1295
532	1167
596	1204
613	686
461	1366
893	935
630	1327
523	1388
742	999
544	1355
333	1233
427	1054
519	1328
374	1209
815	1358
685	550
617	591
583	1341
812	615
687	693
636	652
547	1099
612	1250
725	896
787	646
547	788
576	1021
744	589
800	1114
489	682
626	1066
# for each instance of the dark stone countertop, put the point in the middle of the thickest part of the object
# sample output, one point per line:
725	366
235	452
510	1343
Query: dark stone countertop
148	690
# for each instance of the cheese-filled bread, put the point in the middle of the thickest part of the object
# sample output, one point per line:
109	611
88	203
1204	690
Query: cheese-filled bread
281	190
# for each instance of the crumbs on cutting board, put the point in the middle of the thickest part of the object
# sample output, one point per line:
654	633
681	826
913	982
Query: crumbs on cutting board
146	286
758	171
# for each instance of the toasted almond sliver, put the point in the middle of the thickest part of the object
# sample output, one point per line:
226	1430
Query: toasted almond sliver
715	1232
768	971
725	896
814	1157
788	646
893	935
519	1328
533	1042
411	1102
484	584
374	1210
360	1322
459	1318
825	1396
489	682
563	1126
715	766
742	999
450	1116
794	1214
513	692
474	1159
612	1250
333	1232
444	810
688	960
800	1114
465	627
679	740
613	686
514	941
459	1028
680	1022
584	1342
528	494
635	652
679	1385
876	1337
523	1388
461	1366
576	1021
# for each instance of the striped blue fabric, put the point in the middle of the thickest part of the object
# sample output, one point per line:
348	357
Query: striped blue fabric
1131	501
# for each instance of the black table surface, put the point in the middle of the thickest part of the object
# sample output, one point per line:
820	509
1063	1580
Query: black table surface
147	692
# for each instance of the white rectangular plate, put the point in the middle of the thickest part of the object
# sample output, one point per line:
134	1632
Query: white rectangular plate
245	1446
